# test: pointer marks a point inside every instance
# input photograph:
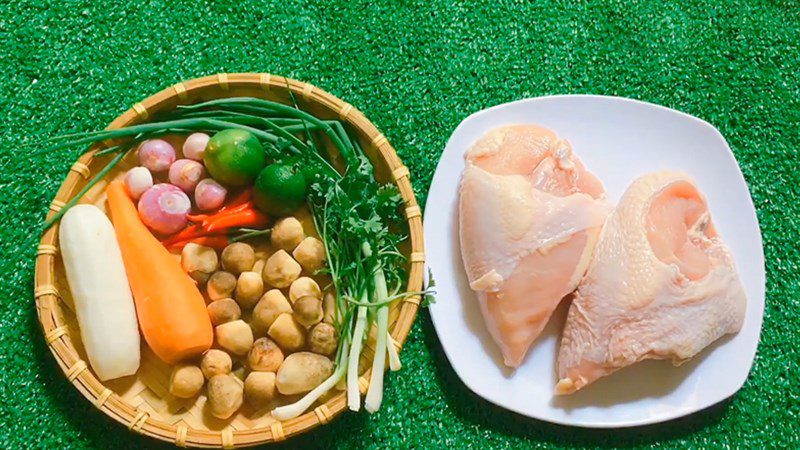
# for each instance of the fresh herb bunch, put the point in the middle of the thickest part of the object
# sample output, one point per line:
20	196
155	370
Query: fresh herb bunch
353	215
359	220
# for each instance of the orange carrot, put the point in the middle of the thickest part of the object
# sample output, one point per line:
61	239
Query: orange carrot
171	311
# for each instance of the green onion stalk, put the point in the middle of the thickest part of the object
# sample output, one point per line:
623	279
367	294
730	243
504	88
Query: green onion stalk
372	402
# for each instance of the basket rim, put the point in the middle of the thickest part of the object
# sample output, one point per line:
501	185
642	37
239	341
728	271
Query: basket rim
47	297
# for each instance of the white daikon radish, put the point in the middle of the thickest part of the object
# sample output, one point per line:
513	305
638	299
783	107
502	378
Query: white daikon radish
100	291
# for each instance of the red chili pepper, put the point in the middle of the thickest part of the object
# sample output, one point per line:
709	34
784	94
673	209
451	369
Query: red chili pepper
197	217
187	233
218	242
191	231
231	210
197	235
242	197
234	210
240	212
245	218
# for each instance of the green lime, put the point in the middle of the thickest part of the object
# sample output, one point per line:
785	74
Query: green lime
279	190
234	157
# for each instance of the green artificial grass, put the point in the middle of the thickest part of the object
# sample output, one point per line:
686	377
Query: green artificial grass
416	69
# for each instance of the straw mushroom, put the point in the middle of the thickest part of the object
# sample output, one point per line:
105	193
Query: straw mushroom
302	372
238	257
269	307
265	356
223	310
308	310
249	288
322	339
310	253
199	261
225	395
281	269
185	381
287	233
302	287
328	307
215	362
258	267
235	337
259	388
221	285
287	333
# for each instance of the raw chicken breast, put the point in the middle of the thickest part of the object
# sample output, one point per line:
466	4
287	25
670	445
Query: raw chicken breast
529	216
661	285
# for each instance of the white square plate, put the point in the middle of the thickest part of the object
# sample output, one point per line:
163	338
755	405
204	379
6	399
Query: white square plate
617	139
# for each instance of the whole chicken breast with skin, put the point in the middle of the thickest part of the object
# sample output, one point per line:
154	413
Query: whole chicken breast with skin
662	285
529	216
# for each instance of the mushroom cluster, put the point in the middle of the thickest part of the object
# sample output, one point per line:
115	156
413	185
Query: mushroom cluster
271	318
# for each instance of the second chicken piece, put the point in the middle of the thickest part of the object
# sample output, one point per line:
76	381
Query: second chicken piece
662	285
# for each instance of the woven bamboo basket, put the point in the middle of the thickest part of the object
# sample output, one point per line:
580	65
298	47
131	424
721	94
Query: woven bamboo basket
142	402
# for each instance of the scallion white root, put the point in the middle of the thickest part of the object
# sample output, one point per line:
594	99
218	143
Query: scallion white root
394	357
353	394
374	397
299	407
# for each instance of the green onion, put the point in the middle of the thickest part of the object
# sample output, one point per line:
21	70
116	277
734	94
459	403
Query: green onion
353	394
85	189
251	234
149	128
372	401
394	357
259	106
